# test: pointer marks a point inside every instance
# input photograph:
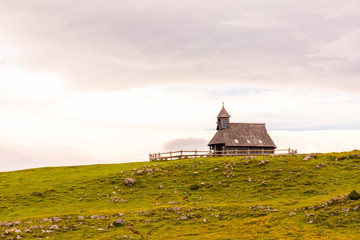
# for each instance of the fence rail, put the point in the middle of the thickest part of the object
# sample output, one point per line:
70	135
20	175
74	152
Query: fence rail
224	153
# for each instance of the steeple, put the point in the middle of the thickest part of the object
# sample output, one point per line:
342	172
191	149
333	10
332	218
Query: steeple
223	119
223	113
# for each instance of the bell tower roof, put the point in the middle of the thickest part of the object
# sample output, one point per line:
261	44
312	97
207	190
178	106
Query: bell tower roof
223	113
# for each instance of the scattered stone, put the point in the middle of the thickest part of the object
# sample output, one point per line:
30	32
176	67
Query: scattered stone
18	237
175	209
183	217
16	223
81	217
196	172
264	183
172	202
97	217
53	227
293	213
249	179
320	165
119	222
100	229
27	230
140	172
261	163
56	219
205	220
129	181
161	186
49	231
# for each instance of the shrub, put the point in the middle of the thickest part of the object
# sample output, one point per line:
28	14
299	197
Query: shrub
354	195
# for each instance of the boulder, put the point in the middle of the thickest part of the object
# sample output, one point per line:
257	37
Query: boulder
140	172
119	222
129	181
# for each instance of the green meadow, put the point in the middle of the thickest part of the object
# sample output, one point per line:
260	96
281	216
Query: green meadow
264	197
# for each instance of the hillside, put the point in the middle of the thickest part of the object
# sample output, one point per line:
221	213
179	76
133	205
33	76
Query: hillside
209	198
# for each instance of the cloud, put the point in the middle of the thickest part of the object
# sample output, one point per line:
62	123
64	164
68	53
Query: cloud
21	85
116	45
186	144
317	141
16	157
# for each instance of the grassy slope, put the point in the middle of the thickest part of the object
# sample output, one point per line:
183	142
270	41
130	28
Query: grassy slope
201	199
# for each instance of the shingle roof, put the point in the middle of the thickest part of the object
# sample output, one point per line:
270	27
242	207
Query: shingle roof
246	135
223	113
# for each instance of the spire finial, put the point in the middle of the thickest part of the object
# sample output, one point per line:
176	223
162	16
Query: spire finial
223	103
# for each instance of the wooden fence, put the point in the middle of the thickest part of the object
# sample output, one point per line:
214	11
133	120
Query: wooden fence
225	153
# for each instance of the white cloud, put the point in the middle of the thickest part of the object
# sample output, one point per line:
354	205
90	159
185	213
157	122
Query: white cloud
116	45
188	144
317	141
23	85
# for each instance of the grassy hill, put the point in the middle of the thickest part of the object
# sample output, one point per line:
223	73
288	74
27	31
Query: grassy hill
209	198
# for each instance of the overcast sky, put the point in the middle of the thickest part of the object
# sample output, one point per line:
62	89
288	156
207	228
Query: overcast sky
85	82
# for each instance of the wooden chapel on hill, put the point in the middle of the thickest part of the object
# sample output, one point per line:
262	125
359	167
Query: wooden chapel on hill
232	138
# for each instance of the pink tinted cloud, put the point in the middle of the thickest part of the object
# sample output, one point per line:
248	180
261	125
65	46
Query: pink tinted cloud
121	44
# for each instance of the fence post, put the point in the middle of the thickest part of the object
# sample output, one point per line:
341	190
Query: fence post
289	151
262	151
195	153
181	156
170	156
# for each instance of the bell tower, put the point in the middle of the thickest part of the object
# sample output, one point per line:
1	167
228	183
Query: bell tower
223	119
